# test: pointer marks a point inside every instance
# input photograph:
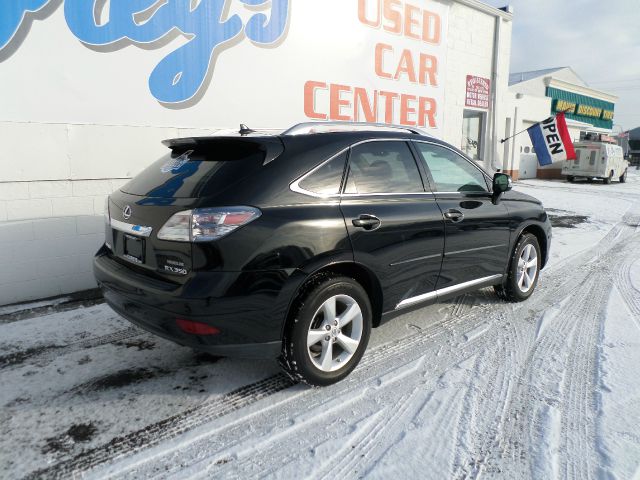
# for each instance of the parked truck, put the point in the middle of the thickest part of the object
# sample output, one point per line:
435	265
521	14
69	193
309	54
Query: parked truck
596	159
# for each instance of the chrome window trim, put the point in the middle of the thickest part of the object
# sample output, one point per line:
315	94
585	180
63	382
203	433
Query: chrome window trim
295	185
137	230
443	291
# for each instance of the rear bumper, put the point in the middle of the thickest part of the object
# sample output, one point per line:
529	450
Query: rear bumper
249	308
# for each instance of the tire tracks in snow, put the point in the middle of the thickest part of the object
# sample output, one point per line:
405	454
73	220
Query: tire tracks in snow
47	353
628	292
382	369
569	396
498	318
556	284
165	429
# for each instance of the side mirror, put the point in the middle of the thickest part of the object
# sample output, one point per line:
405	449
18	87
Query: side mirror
501	183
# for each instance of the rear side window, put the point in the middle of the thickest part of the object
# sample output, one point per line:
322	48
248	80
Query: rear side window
383	167
450	171
326	180
592	157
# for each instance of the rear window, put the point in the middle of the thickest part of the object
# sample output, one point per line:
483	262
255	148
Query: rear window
197	173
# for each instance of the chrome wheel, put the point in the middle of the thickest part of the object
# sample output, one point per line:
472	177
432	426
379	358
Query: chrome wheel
335	333
527	268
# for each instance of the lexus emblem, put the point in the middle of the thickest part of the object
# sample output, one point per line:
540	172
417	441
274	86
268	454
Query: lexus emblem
126	212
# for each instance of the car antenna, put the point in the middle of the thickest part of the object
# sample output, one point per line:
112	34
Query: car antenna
244	130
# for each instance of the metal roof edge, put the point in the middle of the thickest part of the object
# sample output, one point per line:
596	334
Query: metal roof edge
587	91
483	7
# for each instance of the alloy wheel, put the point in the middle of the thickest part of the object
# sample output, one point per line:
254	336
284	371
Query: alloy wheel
527	268
335	333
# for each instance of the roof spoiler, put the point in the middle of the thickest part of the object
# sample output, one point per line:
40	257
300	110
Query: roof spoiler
272	146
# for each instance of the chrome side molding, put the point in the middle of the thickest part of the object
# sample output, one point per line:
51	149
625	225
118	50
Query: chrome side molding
444	291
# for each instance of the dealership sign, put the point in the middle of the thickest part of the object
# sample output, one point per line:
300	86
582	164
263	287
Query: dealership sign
218	63
478	92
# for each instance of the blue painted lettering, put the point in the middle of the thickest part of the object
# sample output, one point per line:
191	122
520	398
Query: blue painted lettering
12	13
182	73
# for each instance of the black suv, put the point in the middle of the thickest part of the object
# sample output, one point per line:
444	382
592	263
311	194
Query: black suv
294	245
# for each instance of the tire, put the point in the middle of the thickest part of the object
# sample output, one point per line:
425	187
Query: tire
326	362
515	287
623	177
571	179
607	180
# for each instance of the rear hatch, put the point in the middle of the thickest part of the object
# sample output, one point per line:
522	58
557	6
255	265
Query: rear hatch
587	160
195	171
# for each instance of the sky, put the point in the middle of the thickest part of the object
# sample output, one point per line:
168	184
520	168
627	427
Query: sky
599	39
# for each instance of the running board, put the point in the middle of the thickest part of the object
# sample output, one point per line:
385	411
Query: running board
446	291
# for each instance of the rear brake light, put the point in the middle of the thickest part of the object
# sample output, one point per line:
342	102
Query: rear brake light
206	224
196	328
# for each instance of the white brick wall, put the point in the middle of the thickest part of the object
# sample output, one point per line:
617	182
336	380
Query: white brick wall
47	257
49	231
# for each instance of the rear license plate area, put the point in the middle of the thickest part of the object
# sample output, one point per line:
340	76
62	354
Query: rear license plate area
133	249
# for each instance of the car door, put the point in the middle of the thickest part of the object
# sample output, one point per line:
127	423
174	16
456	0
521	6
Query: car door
395	227
476	230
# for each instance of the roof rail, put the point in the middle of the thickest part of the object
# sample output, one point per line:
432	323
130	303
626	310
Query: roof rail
313	127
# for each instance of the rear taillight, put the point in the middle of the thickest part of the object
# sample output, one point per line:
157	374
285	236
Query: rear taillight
196	328
206	224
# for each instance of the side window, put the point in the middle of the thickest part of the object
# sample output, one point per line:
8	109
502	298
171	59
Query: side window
592	158
383	167
326	180
578	155
450	171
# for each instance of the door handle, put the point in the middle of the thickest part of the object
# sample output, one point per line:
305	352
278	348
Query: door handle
366	221
454	215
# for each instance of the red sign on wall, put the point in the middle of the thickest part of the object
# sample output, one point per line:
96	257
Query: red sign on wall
478	92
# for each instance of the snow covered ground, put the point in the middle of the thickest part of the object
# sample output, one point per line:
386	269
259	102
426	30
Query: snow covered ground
474	387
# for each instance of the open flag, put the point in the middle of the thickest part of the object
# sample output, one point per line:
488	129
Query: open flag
551	140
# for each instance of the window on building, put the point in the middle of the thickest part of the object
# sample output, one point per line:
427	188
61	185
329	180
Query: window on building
472	129
383	167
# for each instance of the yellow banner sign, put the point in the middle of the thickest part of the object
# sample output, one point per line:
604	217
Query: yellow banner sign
564	106
589	111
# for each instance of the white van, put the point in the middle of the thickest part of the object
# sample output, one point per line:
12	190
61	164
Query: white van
596	160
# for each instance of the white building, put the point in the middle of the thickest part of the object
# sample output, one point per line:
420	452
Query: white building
89	88
534	96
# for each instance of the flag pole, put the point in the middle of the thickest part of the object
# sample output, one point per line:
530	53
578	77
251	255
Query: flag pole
537	123
516	134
